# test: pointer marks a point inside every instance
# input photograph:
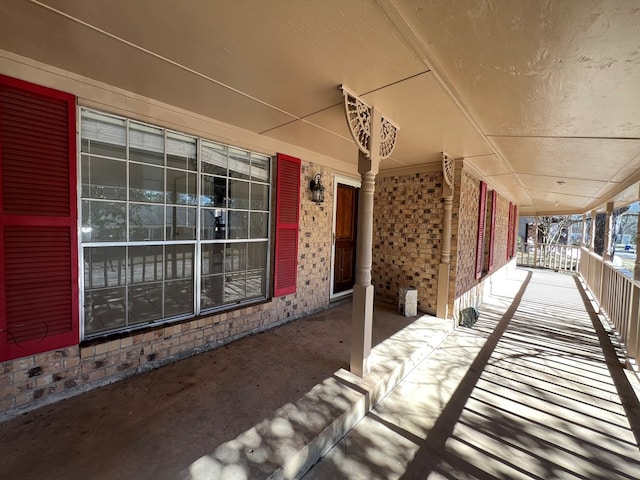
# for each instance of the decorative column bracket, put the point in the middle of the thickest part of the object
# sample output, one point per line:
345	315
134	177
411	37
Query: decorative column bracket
360	117
448	169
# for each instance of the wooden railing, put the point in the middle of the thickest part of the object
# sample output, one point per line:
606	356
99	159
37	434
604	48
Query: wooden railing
618	298
554	257
617	295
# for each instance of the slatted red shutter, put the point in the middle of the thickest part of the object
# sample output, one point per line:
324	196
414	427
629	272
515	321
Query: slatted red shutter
492	230
38	220
482	213
514	232
510	233
287	219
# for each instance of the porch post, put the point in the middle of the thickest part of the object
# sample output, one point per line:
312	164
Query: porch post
535	242
592	234
375	137
608	230
362	314
444	269
583	240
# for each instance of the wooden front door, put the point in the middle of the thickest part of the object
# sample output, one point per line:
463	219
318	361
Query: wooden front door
345	248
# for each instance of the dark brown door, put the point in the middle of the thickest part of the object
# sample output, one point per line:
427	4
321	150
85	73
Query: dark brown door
346	221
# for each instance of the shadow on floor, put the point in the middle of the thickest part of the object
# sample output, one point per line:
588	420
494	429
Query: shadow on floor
155	424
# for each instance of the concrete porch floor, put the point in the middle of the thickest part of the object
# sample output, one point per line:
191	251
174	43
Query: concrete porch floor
527	393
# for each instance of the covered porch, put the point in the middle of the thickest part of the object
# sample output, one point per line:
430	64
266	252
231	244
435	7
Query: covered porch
536	389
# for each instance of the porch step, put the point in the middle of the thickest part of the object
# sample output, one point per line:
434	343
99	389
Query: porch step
298	434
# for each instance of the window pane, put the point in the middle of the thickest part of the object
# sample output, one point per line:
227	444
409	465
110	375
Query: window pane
104	221
256	283
214	191
259	197
259	225
146	144
146	222
103	178
103	135
236	257
235	289
257	255
212	256
104	267
214	159
145	264
239	161
145	303
212	289
104	310
181	187
179	262
238	224
181	223
181	151
214	224
260	168
178	298
238	194
146	183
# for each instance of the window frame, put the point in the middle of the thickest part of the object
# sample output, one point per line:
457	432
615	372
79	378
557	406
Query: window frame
199	240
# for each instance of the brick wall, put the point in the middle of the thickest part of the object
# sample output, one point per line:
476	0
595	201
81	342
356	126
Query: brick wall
407	232
35	380
466	233
468	290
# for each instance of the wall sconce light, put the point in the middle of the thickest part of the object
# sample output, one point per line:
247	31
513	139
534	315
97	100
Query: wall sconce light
317	190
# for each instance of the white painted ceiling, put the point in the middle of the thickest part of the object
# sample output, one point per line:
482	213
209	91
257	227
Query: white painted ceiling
541	98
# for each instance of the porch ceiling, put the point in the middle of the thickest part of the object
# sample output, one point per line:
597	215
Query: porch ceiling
540	98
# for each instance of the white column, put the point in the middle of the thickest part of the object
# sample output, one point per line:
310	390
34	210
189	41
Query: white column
362	314
592	236
608	230
535	242
583	241
444	269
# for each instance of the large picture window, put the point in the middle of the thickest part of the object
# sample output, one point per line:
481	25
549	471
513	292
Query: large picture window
172	225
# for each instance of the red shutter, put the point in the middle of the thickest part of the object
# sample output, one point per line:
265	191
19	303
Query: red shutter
514	232
510	233
482	212
492	229
38	220
287	218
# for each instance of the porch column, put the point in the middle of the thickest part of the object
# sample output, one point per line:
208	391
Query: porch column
375	137
636	267
583	241
362	314
535	242
592	235
444	269
608	230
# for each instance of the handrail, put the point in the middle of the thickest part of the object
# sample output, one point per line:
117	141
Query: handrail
552	256
618	298
617	295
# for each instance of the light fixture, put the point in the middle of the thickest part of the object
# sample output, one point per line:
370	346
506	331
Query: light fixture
317	190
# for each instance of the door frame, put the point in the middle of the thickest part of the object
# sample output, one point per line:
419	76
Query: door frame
353	182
